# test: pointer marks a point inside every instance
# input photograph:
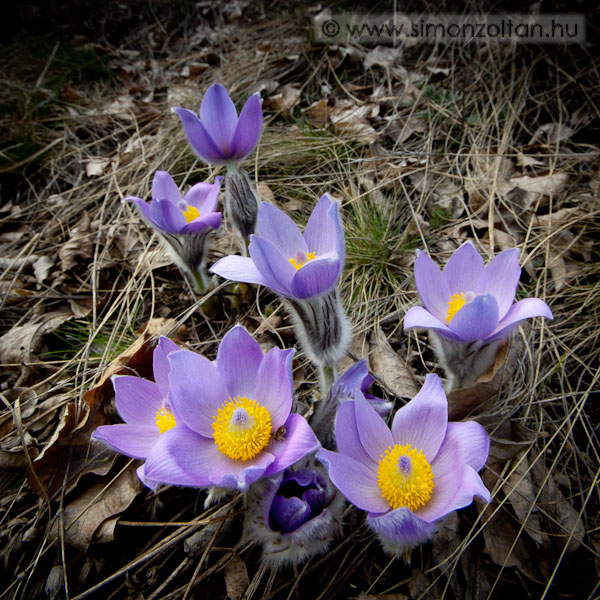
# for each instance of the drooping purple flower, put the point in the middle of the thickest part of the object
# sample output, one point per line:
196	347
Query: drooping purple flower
471	301
145	407
293	265
237	416
217	135
295	514
412	476
172	213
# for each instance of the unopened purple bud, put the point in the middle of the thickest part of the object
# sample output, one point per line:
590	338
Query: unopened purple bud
241	201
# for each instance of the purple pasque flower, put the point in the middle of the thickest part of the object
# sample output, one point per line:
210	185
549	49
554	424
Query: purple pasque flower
293	265
236	413
145	407
470	301
412	476
172	213
295	514
218	136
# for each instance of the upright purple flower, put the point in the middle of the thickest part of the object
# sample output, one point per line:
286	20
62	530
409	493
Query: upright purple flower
218	135
145	407
183	221
470	301
412	476
236	413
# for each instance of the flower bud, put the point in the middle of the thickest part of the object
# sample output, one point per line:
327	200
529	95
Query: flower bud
241	201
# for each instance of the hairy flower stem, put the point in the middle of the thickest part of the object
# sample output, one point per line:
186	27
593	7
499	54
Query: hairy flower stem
327	375
201	281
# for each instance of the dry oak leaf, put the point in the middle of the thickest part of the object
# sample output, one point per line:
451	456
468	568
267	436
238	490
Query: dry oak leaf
79	245
236	578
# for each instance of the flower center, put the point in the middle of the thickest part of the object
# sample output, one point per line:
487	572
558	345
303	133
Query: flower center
301	258
405	477
164	420
456	302
242	428
191	213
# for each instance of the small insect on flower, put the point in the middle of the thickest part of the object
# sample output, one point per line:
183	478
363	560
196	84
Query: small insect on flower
279	435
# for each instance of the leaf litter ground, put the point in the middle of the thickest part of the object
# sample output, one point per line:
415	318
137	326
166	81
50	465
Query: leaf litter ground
426	147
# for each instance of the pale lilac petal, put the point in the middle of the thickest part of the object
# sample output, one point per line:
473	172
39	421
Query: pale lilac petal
400	528
432	286
316	277
160	364
348	438
477	320
137	399
274	225
417	316
219	117
357	376
132	440
321	233
167	215
181	457
422	422
212	220
298	441
274	386
238	360
197	390
204	196
524	309
141	473
248	128
465	443
464	270
238	268
374	434
355	480
164	188
276	270
198	138
500	279
143	206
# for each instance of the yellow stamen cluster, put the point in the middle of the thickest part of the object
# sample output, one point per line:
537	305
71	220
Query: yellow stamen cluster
191	213
301	259
242	428
164	420
405	477
456	302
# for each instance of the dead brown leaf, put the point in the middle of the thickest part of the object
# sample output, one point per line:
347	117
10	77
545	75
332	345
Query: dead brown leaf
351	120
285	100
318	114
79	245
236	578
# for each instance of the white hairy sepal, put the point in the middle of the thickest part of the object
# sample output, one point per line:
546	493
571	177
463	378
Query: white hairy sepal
322	327
241	201
215	495
310	539
463	362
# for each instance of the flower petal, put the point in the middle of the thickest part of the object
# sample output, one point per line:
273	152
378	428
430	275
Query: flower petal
422	422
132	440
316	277
464	270
400	530
477	320
212	220
274	225
197	390
238	360
164	188
238	268
198	138
466	443
501	277
219	117
375	435
355	480
160	364
276	270
274	386
137	399
248	128
167	215
141	473
204	196
348	438
524	309
144	208
298	441
417	316
323	231
432	286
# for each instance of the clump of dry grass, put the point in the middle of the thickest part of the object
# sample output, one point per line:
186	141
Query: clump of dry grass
476	166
